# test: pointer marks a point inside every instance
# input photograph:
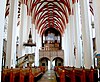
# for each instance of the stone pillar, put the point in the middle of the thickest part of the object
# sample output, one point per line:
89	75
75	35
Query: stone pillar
64	47
96	6
70	41
77	33
69	45
86	34
2	16
37	49
11	35
71	31
66	50
23	30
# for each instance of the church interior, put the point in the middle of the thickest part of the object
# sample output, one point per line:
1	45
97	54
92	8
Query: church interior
49	41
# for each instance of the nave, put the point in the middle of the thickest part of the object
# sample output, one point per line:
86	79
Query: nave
40	32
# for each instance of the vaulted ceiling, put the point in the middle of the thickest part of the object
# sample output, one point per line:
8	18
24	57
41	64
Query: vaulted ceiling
50	14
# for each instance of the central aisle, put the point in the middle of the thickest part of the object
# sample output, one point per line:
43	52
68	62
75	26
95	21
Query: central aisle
49	76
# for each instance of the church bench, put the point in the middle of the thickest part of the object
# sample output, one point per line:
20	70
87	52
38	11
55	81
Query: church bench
38	73
28	74
20	74
60	74
66	72
35	74
91	75
16	75
6	75
12	75
70	74
78	74
82	75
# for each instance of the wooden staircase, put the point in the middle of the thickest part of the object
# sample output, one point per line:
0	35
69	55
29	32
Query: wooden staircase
27	58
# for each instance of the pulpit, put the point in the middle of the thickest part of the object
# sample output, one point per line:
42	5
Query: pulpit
30	44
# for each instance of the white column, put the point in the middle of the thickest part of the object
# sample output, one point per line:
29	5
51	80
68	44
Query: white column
97	23
11	35
71	31
70	39
86	34
64	47
2	16
38	42
69	44
23	30
77	32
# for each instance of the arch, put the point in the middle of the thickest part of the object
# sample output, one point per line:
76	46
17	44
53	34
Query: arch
58	61
58	58
44	58
44	61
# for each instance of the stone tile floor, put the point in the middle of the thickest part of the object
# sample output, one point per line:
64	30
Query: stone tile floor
49	76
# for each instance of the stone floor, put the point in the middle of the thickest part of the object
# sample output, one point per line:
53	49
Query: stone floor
49	76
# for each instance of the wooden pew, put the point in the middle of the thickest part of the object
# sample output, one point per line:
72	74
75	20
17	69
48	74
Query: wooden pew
16	75
6	75
28	75
70	74
80	75
10	75
38	73
20	74
91	75
77	74
60	74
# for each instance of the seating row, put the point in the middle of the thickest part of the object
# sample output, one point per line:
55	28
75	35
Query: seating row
22	74
72	74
